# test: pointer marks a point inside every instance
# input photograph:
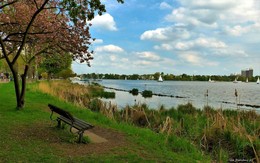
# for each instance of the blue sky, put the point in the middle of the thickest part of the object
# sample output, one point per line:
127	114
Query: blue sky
200	37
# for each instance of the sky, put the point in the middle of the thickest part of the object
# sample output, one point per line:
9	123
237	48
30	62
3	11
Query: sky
195	37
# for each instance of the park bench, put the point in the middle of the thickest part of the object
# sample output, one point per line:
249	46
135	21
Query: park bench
67	118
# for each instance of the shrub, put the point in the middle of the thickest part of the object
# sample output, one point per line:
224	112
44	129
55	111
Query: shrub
134	91
104	94
147	93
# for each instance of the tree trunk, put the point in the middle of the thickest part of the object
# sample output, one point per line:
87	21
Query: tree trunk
19	105
20	93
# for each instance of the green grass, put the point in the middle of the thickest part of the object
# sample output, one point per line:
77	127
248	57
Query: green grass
29	135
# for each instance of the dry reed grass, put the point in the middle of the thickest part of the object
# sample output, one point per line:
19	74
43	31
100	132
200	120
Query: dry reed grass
135	115
221	130
167	126
75	93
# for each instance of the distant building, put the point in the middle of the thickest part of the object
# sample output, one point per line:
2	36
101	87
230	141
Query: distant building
247	73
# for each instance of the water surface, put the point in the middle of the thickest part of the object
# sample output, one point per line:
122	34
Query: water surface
220	94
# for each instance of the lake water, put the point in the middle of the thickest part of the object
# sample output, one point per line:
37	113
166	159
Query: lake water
220	94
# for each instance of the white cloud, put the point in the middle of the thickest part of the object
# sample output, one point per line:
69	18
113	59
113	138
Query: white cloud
232	52
196	60
142	63
209	4
105	21
148	55
165	5
236	30
98	41
199	43
157	35
242	12
109	49
194	34
193	18
210	43
112	58
166	34
239	30
216	13
166	46
182	46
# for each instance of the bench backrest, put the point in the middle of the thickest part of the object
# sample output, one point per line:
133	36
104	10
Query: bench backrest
61	112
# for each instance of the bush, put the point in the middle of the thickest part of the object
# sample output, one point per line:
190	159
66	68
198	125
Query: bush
105	94
147	93
134	91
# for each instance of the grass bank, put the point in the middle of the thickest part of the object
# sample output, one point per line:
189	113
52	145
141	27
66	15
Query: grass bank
223	134
29	135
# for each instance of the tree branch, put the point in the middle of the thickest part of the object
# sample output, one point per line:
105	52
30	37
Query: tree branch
27	30
36	4
4	52
7	4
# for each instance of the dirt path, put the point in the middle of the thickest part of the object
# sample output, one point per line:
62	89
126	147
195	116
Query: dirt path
102	140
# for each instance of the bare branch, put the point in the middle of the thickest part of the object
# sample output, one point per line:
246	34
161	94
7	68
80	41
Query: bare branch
7	4
36	4
4	51
27	30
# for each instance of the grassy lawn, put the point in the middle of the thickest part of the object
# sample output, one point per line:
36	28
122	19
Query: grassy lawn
30	136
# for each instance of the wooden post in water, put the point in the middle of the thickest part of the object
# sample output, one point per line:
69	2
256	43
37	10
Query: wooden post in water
207	94
236	97
238	116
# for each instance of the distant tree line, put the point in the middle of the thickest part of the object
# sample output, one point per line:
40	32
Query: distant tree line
168	77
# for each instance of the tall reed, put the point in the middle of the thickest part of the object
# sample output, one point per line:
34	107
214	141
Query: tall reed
221	133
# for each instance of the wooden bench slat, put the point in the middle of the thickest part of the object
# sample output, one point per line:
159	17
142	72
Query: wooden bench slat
77	124
82	122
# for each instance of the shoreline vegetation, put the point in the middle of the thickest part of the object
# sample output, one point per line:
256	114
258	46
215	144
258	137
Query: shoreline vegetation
223	134
171	77
182	134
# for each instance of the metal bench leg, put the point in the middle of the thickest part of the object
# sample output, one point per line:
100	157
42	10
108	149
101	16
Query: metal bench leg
59	123
80	136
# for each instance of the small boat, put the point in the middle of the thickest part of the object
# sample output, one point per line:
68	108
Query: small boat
74	78
235	81
258	81
160	79
211	81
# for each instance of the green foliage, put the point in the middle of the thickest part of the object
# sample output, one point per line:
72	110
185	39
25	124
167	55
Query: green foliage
86	140
98	91
187	109
134	91
66	73
104	94
35	139
221	134
180	145
54	64
85	9
147	93
95	105
182	77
